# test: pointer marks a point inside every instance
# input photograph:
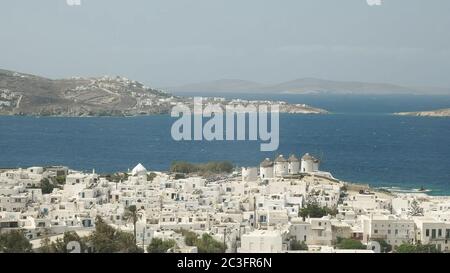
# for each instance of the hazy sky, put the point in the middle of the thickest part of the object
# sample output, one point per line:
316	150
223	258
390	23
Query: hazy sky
170	42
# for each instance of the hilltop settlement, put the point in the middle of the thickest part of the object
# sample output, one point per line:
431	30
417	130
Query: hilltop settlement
284	205
29	95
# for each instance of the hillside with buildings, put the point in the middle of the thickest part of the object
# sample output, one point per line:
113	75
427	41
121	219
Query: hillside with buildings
283	205
24	94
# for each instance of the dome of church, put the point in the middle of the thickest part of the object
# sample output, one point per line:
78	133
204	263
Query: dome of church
139	170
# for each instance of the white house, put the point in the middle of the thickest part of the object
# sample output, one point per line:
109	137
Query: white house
390	228
261	241
432	231
249	174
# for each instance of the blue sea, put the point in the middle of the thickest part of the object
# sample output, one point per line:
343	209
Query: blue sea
359	142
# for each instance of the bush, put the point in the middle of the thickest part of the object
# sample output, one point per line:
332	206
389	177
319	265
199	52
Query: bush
179	176
60	180
183	167
315	211
349	244
205	244
385	247
210	167
14	242
117	177
190	237
418	248
160	246
151	176
106	239
60	246
47	186
298	245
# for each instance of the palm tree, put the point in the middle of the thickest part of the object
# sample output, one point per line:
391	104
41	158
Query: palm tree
131	214
415	209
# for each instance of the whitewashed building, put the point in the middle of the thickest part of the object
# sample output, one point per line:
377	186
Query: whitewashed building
261	241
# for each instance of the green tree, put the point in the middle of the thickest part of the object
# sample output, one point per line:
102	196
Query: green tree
183	167
126	243
207	244
209	167
418	248
385	247
117	177
190	238
103	237
14	242
46	246
60	180
217	167
179	176
131	214
415	209
106	239
151	176
160	246
343	243
60	246
315	211
298	245
47	186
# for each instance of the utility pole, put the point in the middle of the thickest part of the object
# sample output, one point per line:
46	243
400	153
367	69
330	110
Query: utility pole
209	221
254	211
143	238
224	236
240	238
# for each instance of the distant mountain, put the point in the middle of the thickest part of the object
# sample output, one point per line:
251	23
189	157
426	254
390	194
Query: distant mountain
223	85
307	86
312	85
